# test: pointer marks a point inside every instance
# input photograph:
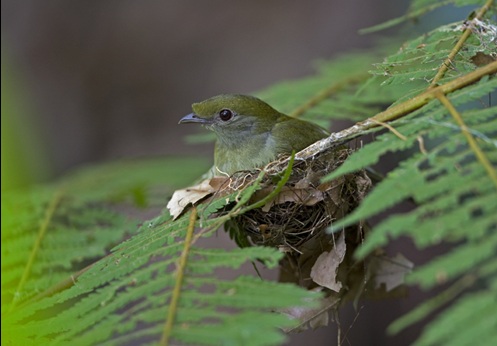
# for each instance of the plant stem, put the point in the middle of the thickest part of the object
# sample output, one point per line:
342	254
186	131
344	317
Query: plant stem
173	305
394	112
469	137
36	246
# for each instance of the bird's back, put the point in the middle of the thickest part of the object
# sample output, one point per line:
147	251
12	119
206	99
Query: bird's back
295	134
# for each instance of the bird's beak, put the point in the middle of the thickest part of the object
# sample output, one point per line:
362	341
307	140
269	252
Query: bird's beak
193	118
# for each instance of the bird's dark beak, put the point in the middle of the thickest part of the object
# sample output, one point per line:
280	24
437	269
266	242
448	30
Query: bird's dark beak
193	118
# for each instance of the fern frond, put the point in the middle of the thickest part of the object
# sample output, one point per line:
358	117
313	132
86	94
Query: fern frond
337	91
419	8
440	50
132	285
464	319
451	176
97	278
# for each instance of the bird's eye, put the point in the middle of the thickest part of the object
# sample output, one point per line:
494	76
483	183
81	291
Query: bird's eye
225	114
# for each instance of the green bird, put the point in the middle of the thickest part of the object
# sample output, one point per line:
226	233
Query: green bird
250	133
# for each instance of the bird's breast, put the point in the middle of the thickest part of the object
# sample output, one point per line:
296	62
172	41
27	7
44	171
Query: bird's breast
246	154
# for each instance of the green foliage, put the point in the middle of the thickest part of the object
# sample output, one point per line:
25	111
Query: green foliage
85	284
453	188
335	92
77	266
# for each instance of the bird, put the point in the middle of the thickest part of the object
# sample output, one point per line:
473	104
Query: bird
249	132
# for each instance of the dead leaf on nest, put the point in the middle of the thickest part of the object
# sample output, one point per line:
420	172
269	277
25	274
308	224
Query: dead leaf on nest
390	271
308	196
189	196
324	270
302	193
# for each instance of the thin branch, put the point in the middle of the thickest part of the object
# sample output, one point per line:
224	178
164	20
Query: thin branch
469	137
173	306
419	101
395	112
36	246
392	129
448	62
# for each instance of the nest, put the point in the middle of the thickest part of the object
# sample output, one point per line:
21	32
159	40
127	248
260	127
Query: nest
304	208
296	220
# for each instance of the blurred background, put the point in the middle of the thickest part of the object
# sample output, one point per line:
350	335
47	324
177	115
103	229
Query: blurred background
91	81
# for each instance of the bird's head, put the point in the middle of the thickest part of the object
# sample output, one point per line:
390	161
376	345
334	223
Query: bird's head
233	117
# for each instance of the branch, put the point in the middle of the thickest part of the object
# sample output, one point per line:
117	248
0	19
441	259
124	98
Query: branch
171	314
398	111
469	137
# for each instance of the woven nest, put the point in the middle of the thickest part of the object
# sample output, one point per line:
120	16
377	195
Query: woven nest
295	221
305	207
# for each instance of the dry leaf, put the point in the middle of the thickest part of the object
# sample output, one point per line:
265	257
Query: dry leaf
307	196
390	271
481	59
184	197
302	193
324	271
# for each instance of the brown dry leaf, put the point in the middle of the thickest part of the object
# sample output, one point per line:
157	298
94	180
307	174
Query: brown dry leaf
333	190
184	197
324	271
390	271
301	193
481	59
308	197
